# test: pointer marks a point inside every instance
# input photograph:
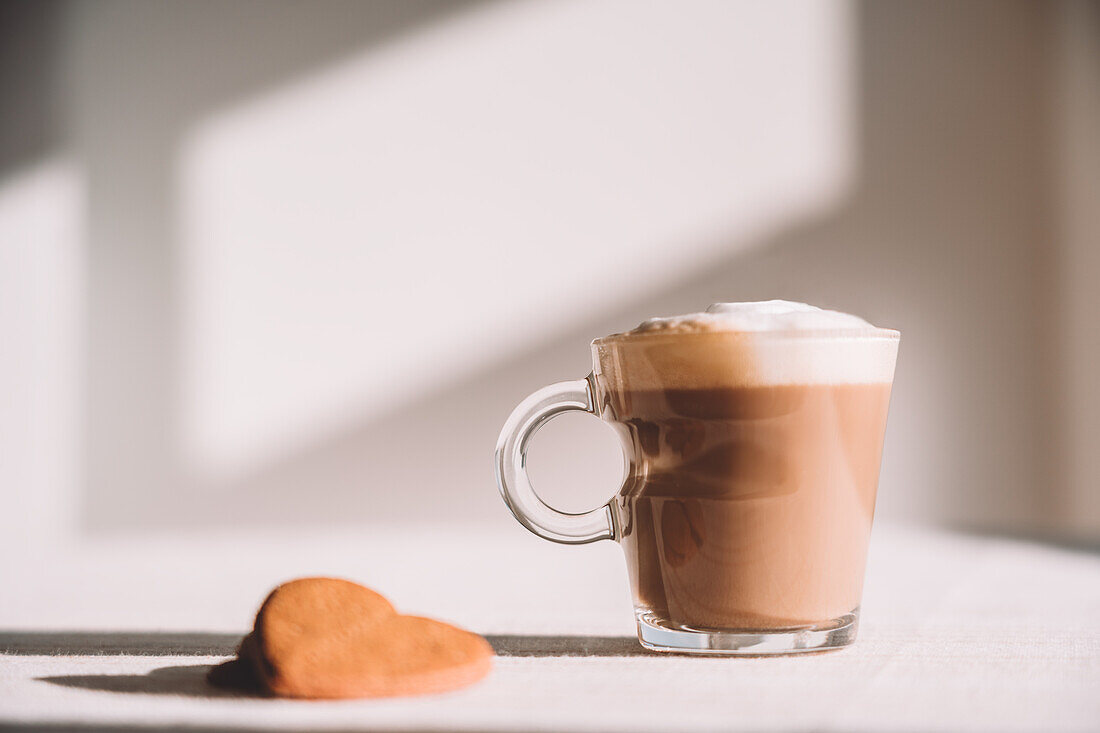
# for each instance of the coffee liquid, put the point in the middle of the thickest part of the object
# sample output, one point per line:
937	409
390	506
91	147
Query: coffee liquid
748	507
755	434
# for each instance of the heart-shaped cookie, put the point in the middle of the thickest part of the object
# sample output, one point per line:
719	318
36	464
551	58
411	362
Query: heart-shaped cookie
325	638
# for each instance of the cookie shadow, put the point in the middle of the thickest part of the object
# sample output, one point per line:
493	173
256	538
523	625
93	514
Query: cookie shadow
184	681
192	680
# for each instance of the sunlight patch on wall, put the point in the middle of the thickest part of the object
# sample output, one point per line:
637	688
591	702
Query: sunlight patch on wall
375	231
41	260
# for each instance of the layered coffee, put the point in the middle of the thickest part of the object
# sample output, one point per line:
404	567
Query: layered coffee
756	434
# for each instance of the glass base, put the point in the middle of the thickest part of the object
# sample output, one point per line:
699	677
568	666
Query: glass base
660	636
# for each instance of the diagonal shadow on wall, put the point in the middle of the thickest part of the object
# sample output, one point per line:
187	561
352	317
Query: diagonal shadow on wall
940	227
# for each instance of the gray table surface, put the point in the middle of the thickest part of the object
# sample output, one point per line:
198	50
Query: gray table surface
958	633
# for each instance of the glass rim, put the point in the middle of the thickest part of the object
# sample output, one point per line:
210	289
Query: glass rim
839	334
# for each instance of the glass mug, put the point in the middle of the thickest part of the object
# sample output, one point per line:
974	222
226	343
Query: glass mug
752	468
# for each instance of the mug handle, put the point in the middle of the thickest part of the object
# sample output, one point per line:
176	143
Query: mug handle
511	468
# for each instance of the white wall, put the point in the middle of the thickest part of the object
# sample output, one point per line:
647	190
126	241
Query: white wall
1077	156
492	177
263	192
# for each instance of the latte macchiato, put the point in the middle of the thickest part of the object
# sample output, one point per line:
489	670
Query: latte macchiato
754	433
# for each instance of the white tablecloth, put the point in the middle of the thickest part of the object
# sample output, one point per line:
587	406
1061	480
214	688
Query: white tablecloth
958	633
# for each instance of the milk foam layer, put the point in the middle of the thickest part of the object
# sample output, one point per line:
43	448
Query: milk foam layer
765	315
772	342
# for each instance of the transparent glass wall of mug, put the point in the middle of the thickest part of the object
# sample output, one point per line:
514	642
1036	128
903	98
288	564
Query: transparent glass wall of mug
753	470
